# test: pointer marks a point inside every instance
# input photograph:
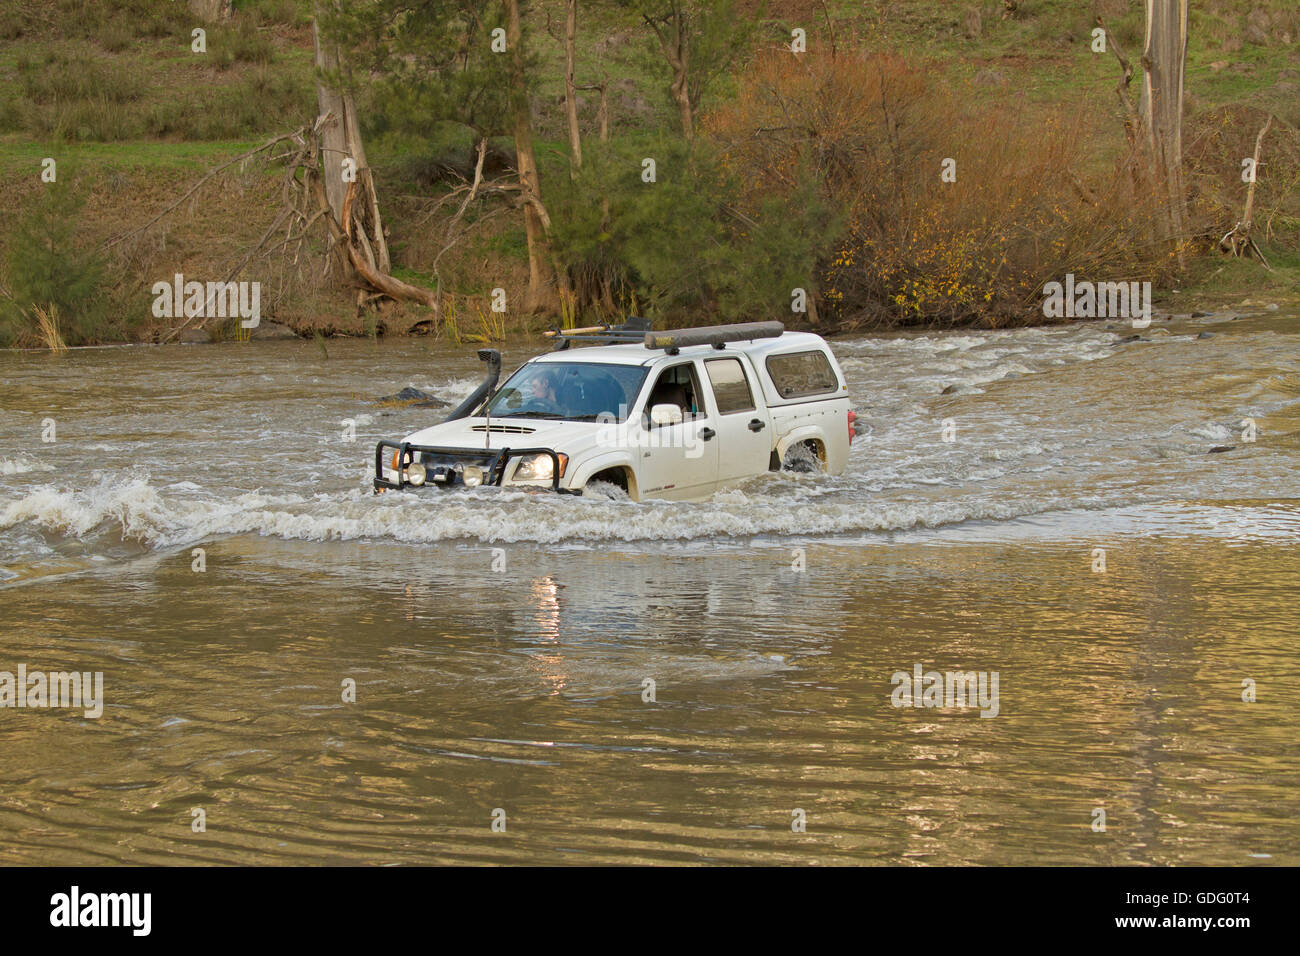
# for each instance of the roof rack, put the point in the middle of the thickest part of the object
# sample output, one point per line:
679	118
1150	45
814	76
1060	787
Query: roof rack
634	329
716	335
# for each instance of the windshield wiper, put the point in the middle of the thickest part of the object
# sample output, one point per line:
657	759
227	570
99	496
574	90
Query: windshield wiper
528	415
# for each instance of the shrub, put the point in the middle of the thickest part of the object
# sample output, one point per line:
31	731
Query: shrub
115	37
241	43
49	271
687	246
873	135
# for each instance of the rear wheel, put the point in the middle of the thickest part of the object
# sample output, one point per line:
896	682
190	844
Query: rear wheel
803	458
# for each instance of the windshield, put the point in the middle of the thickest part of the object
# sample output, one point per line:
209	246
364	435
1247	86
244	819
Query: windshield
573	391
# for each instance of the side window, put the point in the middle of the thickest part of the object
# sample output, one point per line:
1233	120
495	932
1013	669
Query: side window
802	373
730	385
677	385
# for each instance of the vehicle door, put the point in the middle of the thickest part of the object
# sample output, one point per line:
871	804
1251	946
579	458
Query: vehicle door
677	460
744	431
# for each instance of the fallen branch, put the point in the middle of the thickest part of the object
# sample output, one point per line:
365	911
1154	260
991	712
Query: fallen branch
243	157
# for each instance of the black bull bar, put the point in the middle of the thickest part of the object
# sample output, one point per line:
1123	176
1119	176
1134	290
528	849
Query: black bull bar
492	461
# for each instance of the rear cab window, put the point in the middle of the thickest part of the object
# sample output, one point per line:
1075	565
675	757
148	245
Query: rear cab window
802	374
730	385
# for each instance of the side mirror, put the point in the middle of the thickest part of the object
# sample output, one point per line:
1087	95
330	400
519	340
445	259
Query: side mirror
666	414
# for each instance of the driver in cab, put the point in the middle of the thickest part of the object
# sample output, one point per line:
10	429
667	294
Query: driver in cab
546	394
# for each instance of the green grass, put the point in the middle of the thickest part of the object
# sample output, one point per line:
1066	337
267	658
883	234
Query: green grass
122	84
1224	283
18	158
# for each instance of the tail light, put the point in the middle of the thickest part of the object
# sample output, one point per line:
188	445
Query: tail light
853	417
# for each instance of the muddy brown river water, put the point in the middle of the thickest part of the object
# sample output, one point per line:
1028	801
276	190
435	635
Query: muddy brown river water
502	644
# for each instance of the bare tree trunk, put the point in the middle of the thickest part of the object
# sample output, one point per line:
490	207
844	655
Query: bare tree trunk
346	245
570	90
682	96
541	295
211	11
603	115
1161	111
341	141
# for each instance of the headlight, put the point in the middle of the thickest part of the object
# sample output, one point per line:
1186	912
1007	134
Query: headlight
472	475
539	467
416	474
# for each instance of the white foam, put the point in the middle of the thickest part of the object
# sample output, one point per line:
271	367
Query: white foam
455	391
141	513
1212	431
22	466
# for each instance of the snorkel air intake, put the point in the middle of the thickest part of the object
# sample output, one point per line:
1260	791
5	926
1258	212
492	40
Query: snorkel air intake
493	358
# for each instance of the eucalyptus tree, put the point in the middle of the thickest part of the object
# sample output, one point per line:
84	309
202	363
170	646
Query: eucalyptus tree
1161	108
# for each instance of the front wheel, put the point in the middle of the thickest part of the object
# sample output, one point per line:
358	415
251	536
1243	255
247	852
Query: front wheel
608	491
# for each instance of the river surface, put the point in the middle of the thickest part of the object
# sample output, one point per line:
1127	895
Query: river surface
201	531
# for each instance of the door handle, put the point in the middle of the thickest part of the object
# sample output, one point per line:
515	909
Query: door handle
756	425
707	433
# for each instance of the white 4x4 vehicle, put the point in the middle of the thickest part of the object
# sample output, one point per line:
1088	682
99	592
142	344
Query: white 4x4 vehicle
675	415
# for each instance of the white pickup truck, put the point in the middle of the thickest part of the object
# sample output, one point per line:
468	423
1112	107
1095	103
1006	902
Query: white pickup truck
676	415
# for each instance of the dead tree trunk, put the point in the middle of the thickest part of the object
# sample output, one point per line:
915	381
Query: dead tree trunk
542	295
344	160
1161	112
343	237
1239	240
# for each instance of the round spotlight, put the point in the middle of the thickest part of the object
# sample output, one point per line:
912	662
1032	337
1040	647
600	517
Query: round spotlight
472	476
416	474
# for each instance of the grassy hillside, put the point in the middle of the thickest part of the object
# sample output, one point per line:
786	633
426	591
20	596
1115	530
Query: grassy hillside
111	90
